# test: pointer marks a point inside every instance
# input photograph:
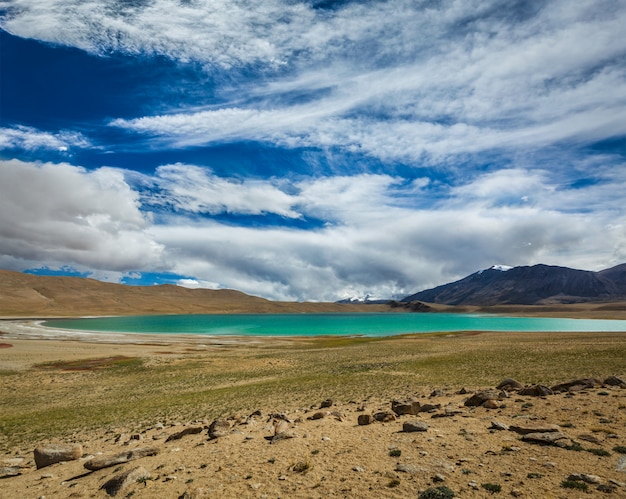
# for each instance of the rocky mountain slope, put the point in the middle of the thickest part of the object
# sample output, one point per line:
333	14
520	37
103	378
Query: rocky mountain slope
529	285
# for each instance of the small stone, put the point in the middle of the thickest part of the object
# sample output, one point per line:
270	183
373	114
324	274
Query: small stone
510	385
536	391
8	471
123	480
583	477
615	381
491	404
193	430
384	416
429	407
549	438
365	419
497	425
219	428
480	398
473	485
358	469
438	478
318	415
516	493
621	464
406	468
101	462
326	403
534	428
410	407
414	426
590	438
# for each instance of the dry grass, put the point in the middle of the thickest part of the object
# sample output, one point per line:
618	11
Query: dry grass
49	401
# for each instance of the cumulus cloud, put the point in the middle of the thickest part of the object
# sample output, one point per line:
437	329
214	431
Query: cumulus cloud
59	213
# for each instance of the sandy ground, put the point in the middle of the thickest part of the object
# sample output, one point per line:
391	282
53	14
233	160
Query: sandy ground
332	456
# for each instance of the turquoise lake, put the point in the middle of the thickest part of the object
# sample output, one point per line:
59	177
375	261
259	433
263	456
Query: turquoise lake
364	324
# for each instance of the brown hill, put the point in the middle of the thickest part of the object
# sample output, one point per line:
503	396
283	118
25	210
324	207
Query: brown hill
25	295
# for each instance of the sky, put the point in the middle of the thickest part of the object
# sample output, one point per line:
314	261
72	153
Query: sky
310	150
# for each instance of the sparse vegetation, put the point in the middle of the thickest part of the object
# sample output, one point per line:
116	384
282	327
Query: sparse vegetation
571	484
187	384
441	492
394	482
395	452
493	488
620	449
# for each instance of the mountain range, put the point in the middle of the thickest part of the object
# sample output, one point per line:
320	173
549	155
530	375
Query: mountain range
529	285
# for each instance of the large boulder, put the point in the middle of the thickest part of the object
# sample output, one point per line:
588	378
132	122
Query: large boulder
56	453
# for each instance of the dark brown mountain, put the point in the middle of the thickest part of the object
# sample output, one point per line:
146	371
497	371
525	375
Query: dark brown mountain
529	285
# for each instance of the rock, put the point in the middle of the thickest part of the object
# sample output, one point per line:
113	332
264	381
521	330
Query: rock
358	469
121	481
219	428
318	415
436	393
549	438
536	391
99	463
429	407
480	398
583	477
510	385
576	385
8	471
615	381
282	431
413	426
438	478
406	468
192	430
384	416
326	403
590	438
491	404
55	453
365	419
497	425
411	407
621	464
534	428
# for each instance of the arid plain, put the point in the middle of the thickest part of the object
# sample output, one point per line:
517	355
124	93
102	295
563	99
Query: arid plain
290	409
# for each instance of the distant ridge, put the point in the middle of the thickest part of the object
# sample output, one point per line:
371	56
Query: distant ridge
529	285
26	295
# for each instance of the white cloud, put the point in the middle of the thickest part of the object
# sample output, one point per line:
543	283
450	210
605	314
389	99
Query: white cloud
198	190
29	138
375	242
59	213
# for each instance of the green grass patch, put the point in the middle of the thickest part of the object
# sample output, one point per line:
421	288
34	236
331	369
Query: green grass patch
571	484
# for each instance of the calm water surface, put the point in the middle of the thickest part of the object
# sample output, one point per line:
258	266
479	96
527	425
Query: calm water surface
364	324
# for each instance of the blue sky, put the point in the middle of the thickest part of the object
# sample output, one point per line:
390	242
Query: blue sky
310	150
